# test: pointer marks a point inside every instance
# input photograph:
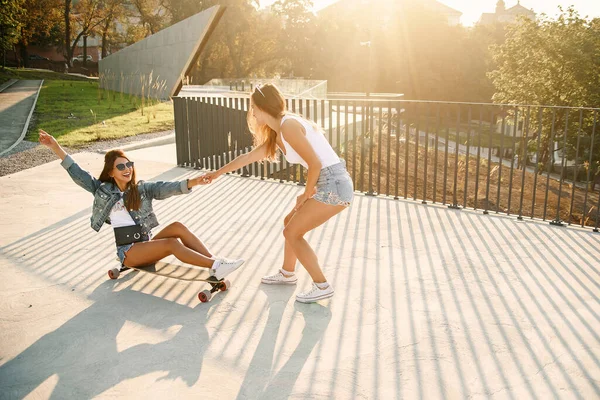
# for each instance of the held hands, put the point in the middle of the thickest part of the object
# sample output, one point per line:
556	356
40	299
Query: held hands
200	180
203	179
207	178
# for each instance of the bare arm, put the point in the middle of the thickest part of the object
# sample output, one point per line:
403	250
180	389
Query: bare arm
50	142
255	155
79	176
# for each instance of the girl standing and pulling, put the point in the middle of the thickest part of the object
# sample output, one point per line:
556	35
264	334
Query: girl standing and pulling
329	189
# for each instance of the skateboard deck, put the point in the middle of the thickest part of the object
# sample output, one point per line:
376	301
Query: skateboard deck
181	272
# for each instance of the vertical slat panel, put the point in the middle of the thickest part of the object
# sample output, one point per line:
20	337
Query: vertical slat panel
589	170
576	170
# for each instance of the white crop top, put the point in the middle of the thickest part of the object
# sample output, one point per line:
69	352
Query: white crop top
317	140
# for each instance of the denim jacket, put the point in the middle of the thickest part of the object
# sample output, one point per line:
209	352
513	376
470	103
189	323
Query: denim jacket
106	195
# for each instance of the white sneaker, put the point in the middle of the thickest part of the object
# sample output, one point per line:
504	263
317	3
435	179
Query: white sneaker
280	279
315	294
221	268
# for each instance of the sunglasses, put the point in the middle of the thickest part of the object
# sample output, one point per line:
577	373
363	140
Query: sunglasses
122	166
260	91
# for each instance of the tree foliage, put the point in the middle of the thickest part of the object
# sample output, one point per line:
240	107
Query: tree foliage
41	24
553	62
11	12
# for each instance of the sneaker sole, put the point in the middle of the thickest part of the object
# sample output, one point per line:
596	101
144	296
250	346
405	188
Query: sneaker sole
279	282
315	299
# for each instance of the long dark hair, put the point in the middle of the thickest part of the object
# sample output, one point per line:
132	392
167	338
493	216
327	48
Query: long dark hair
270	100
132	200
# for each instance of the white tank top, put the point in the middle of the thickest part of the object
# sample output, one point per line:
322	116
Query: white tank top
317	140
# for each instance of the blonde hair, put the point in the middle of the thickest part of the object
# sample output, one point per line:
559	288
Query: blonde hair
269	99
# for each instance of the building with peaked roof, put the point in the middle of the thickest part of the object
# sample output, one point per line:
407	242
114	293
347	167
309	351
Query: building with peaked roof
505	15
451	15
342	7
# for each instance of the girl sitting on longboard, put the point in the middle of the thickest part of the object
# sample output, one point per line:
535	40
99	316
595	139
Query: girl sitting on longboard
127	205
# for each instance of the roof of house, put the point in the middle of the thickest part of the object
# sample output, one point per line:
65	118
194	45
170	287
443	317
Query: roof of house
443	8
515	10
431	4
519	9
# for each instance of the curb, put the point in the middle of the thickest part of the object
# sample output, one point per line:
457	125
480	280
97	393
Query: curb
26	127
168	139
7	84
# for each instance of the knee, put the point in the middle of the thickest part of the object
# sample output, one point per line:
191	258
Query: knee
291	234
177	227
172	244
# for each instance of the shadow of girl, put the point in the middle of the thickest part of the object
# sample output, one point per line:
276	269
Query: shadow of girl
259	381
83	352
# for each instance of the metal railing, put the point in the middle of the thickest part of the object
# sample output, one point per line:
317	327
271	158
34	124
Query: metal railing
539	162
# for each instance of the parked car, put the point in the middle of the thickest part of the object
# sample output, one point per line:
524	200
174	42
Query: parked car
38	57
79	58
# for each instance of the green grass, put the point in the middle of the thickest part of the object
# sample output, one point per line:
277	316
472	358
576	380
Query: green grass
21	73
98	114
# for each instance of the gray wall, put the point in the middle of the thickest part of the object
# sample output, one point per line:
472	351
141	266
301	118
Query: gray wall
156	65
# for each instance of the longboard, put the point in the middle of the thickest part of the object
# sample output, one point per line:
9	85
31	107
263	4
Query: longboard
180	272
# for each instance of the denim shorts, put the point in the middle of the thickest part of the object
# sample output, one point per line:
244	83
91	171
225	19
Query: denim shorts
335	186
121	250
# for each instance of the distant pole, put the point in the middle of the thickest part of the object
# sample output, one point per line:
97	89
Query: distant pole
84	51
367	44
3	49
370	80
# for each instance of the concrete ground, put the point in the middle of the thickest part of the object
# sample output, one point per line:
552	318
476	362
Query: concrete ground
16	103
430	302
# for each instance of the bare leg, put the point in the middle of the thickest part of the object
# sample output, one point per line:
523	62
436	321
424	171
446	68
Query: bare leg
145	253
308	217
180	231
289	257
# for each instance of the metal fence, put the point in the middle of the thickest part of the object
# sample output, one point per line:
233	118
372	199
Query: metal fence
538	162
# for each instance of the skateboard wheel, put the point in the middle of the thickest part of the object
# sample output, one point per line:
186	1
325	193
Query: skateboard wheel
225	285
204	296
114	273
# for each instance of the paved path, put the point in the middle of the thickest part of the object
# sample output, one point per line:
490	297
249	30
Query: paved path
430	303
16	103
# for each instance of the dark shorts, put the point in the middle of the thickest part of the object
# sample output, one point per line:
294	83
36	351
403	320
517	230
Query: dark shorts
121	250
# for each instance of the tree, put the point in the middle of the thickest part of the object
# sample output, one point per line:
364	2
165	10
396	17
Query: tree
553	62
244	43
40	24
295	38
401	47
179	10
151	14
113	11
11	11
85	16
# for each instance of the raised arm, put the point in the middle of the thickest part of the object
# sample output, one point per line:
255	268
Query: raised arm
79	176
50	142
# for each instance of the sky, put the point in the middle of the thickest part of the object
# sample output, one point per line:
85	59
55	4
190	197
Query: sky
472	9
